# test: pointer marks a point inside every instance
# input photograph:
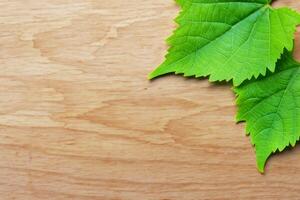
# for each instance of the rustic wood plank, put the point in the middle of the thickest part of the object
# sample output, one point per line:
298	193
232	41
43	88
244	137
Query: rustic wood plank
79	120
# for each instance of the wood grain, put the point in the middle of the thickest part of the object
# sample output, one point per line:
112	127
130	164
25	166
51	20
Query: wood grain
79	120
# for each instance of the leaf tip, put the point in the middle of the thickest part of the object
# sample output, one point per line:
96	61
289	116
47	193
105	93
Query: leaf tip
261	168
157	72
151	76
261	159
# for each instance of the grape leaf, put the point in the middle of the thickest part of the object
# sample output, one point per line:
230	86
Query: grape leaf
271	108
228	39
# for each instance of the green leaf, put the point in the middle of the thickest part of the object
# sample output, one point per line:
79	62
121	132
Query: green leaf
271	108
228	39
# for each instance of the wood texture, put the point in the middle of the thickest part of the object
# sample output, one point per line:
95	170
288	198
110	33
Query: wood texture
79	120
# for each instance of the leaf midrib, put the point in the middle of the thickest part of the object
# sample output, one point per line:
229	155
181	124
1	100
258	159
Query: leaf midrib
289	85
285	89
198	49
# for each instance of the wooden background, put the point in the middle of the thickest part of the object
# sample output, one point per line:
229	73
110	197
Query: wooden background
79	120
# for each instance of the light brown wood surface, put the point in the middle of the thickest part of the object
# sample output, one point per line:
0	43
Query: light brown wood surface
79	119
